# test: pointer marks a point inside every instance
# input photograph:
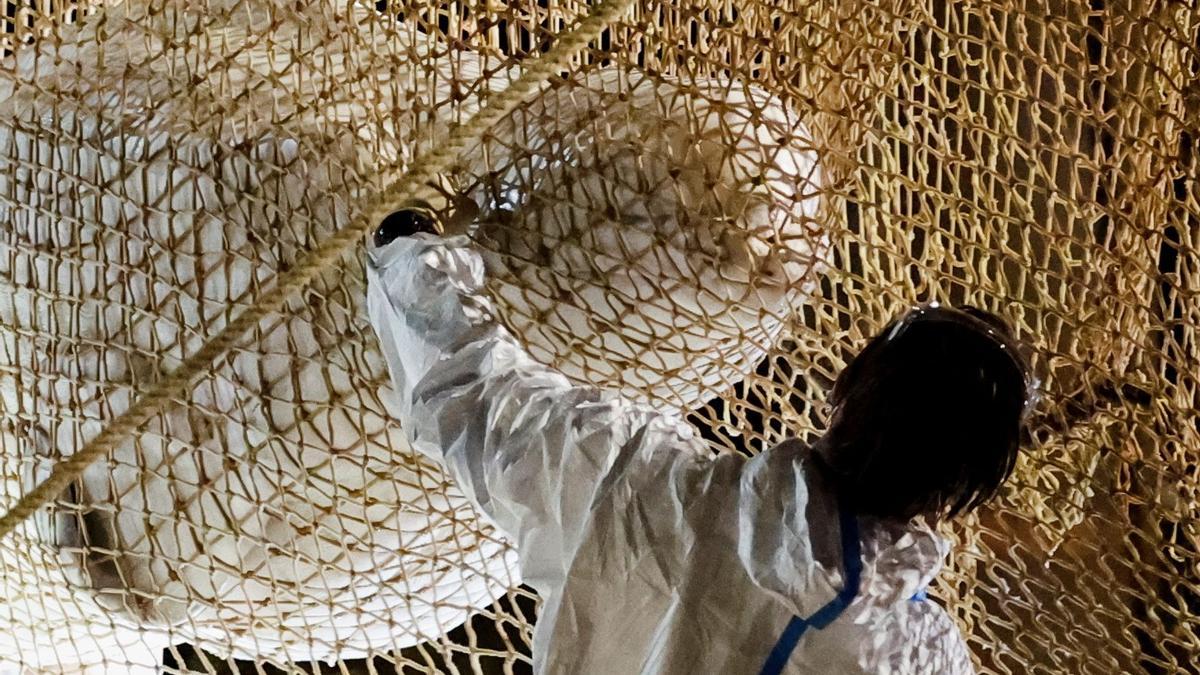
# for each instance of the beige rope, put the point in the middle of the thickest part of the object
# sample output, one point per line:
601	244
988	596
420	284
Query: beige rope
413	185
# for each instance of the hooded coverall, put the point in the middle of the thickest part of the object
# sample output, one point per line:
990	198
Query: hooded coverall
651	554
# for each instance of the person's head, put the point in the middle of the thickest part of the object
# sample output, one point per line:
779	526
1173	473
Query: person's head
927	418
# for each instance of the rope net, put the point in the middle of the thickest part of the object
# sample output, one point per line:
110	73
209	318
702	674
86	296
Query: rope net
710	208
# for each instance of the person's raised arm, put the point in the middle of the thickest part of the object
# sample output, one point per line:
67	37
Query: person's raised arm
527	446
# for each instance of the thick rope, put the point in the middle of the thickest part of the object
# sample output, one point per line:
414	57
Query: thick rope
413	185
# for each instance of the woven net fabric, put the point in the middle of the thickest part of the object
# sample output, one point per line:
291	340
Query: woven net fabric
711	209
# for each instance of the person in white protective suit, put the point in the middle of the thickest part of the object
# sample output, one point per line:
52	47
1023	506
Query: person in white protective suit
654	556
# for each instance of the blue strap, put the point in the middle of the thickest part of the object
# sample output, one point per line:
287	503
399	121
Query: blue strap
852	564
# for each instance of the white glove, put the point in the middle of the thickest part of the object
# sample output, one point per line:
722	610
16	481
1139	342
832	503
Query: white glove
423	297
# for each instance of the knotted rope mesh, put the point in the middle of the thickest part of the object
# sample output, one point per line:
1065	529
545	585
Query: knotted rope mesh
711	207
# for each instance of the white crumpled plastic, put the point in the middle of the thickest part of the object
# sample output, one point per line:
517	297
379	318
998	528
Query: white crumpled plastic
652	556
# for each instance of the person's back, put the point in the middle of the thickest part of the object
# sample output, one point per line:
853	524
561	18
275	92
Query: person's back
677	579
653	556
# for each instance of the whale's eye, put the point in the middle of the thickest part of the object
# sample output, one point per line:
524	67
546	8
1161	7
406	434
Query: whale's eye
405	223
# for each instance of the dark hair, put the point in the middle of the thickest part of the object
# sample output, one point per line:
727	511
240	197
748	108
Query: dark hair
927	418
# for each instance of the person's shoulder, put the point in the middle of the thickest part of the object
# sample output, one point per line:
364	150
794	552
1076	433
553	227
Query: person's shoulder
787	462
791	451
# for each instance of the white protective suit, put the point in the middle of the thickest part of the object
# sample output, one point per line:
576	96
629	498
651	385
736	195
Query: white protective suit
652	556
